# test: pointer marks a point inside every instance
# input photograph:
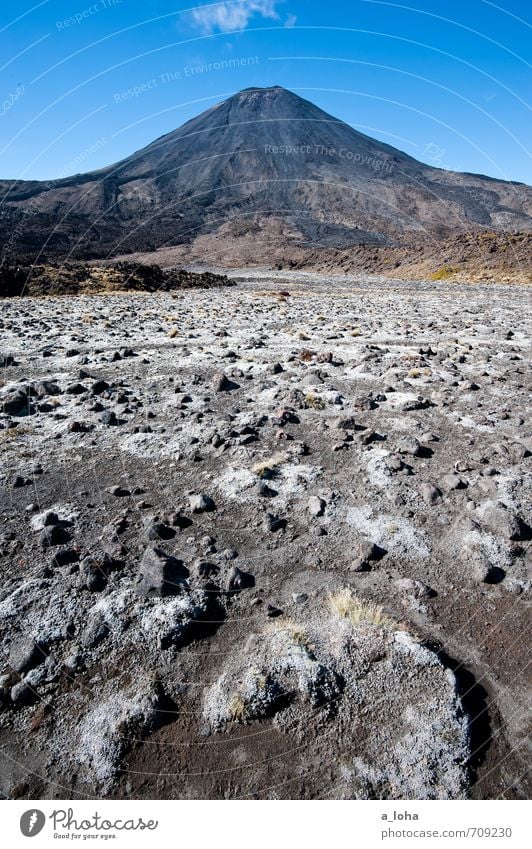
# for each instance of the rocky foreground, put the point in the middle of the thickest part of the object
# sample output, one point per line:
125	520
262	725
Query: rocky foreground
266	542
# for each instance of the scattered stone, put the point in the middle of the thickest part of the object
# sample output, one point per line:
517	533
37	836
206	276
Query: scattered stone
409	445
415	588
221	383
93	575
119	491
160	574
202	503
75	389
99	386
429	493
16	404
316	506
53	535
108	417
274	523
363	554
25	654
452	482
238	580
22	695
299	598
95	633
64	557
159	531
503	522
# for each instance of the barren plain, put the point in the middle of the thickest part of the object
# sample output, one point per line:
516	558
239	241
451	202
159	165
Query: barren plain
266	542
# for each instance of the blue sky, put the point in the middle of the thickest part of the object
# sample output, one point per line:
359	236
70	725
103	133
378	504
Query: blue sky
85	83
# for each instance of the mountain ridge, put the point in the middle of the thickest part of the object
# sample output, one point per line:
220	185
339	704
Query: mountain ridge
260	153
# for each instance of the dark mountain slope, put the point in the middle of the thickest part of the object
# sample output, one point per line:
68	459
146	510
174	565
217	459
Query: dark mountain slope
261	154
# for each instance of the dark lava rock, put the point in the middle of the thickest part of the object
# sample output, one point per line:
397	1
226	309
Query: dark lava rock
76	389
503	522
50	518
78	427
238	580
429	493
99	386
266	491
178	520
95	633
160	574
23	695
46	387
64	557
25	654
108	417
345	423
409	445
158	530
221	383
363	554
94	576
274	523
53	535
205	569
119	491
202	503
17	404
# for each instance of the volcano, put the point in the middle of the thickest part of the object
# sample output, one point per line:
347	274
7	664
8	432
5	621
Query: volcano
263	155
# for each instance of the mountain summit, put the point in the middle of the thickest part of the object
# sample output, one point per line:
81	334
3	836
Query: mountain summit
262	155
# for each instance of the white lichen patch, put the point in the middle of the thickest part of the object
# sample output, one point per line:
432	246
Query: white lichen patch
393	533
110	727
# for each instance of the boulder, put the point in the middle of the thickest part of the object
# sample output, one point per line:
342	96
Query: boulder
25	654
160	574
202	503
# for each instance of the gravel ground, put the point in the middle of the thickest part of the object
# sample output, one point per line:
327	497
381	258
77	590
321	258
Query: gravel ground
266	542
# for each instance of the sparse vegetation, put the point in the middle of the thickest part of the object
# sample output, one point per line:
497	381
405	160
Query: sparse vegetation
444	272
268	467
9	434
346	605
237	708
296	633
312	402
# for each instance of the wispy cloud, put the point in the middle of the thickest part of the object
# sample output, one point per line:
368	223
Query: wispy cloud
290	21
228	17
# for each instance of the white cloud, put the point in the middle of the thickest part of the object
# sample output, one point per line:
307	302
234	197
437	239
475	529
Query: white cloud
228	17
290	21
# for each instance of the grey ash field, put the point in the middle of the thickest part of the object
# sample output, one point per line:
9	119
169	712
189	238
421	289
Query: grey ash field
266	542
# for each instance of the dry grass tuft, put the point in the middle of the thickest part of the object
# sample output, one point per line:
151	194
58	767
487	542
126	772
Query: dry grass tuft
346	605
444	272
269	466
295	632
312	402
9	434
237	707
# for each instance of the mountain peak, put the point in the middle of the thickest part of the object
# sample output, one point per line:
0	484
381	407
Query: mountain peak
263	88
256	94
266	153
